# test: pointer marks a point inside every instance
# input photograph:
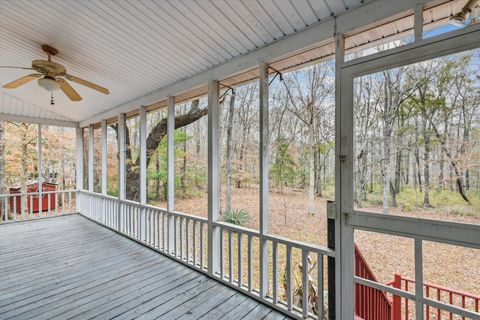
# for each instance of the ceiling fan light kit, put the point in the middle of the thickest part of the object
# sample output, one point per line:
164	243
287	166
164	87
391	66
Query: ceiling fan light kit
52	76
48	84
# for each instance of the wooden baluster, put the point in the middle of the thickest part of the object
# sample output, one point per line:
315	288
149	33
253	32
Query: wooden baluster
188	240
22	204
320	286
30	206
406	301
182	240
14	213
305	283
175	235
240	258
451	302
275	271
222	257
439	311
202	250
427	292
289	278
47	194
230	256
250	264
195	235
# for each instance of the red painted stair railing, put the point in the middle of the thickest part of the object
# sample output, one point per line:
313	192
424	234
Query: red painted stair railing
446	295
374	304
370	303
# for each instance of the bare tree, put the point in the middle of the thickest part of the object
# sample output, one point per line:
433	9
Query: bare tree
228	152
312	89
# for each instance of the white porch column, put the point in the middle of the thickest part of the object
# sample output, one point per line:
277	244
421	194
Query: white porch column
122	155
91	141
121	218
104	157
171	171
143	171
213	175
39	169
79	155
79	164
344	246
264	140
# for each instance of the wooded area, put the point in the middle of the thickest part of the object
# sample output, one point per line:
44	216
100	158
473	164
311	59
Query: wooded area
416	129
19	155
417	133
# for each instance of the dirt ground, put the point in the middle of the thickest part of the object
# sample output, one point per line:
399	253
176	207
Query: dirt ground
446	265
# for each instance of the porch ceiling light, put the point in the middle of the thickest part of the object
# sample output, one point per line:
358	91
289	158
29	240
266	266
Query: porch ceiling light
48	84
470	10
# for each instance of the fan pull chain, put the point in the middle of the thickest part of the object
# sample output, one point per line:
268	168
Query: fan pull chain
52	102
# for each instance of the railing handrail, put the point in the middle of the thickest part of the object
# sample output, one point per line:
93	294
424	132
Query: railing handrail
294	243
439	287
147	206
5	195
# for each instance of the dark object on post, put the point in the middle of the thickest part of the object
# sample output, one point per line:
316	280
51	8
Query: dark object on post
331	261
32	202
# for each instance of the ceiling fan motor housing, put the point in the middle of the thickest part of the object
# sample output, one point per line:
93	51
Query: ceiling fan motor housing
49	68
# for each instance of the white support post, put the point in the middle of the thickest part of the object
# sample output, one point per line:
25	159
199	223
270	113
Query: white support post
79	158
143	155
264	140
344	233
79	165
122	156
104	157
213	175
418	22
143	170
171	171
39	169
418	279
91	141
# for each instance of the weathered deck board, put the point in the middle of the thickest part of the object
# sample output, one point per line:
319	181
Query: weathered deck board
71	268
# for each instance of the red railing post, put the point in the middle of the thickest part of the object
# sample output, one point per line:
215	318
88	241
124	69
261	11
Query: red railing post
397	300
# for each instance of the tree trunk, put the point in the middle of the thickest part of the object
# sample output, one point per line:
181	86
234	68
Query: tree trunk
466	139
311	167
386	168
157	179
153	140
426	165
228	155
443	142
416	172
318	174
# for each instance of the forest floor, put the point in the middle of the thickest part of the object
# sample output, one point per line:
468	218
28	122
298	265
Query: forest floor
446	265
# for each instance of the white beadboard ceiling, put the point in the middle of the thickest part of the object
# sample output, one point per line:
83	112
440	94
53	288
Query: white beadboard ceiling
18	107
135	47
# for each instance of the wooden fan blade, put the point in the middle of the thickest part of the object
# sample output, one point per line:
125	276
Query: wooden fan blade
87	84
10	67
68	90
21	81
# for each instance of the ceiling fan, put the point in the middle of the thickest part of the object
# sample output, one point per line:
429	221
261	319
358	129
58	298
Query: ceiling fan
52	76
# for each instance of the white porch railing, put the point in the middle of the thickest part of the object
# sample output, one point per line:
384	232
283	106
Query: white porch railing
36	205
185	238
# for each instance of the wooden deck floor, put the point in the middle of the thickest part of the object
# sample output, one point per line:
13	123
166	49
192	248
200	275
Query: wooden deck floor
71	268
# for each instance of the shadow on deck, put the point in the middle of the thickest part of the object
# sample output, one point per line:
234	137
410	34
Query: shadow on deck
72	268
